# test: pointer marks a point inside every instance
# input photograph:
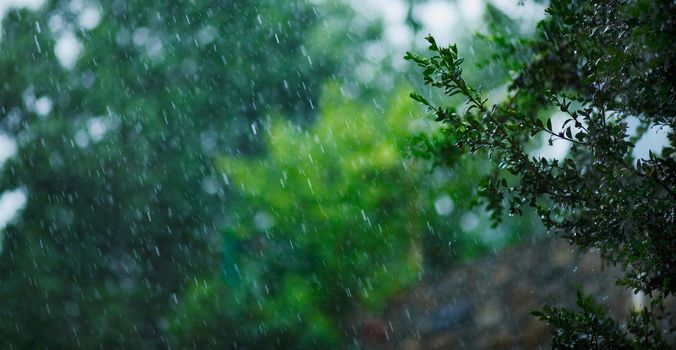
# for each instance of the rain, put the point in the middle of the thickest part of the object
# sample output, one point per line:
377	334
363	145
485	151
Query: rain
255	175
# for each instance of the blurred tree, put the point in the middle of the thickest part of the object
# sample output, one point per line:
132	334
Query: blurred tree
600	64
323	230
119	110
336	220
116	144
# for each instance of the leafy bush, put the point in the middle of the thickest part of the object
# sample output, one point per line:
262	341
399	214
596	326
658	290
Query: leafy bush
601	64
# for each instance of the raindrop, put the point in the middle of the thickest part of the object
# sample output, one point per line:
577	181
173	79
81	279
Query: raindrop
444	205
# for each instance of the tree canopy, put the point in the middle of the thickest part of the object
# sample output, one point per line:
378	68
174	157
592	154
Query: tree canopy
115	150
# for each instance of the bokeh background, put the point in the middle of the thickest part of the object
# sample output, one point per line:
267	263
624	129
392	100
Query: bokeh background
234	174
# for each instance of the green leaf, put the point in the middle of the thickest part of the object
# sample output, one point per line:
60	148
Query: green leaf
419	98
433	44
580	136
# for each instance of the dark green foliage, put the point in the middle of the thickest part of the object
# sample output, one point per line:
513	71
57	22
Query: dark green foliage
591	328
600	64
118	224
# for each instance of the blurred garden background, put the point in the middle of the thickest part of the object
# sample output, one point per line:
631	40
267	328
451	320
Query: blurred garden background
234	174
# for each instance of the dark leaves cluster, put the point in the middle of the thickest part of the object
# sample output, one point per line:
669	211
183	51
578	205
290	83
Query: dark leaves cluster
600	64
592	328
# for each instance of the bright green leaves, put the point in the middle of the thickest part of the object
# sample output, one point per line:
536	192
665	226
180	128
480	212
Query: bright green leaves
335	197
